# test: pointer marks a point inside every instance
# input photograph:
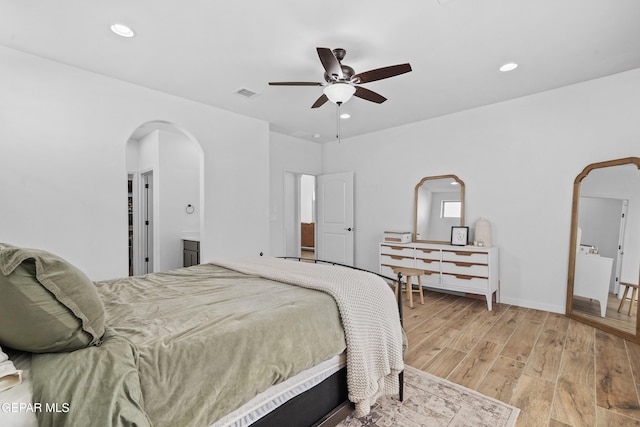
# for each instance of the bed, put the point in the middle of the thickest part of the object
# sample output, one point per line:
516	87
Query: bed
258	341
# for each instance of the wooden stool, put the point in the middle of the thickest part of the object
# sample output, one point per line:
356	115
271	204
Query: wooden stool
408	273
634	295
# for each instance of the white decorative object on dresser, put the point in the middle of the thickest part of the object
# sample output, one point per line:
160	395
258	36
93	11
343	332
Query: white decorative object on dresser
467	269
397	236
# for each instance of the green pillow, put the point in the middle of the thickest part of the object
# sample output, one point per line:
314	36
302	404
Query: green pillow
46	304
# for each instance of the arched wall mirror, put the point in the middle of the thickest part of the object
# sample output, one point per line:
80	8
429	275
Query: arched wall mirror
439	205
604	256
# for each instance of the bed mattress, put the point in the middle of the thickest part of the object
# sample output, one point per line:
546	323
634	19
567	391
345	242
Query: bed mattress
277	395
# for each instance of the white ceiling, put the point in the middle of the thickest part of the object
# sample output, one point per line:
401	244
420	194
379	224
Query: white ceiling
207	50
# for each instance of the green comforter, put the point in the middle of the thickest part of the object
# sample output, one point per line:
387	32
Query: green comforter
208	339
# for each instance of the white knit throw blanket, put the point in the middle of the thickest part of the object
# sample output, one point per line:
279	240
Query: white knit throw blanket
9	375
369	315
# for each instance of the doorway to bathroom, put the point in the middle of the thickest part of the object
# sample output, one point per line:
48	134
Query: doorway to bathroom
307	216
165	183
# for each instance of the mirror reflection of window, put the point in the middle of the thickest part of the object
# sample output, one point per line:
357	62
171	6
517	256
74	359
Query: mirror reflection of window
450	209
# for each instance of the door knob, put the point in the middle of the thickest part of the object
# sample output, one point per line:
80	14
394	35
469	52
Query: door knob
348	229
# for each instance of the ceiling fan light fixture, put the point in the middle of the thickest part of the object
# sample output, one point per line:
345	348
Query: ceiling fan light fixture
339	93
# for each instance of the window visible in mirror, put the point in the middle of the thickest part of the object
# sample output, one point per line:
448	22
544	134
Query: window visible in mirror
450	209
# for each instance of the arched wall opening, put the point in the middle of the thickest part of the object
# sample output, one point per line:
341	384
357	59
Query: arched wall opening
165	176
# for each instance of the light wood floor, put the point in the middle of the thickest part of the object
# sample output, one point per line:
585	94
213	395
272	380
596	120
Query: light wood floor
591	309
558	371
307	253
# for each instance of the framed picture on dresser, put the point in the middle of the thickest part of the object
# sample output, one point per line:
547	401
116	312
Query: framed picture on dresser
459	236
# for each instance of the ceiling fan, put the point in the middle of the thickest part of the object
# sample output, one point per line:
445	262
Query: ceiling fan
342	82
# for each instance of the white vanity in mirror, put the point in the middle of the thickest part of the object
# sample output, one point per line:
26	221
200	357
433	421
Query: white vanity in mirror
592	278
460	269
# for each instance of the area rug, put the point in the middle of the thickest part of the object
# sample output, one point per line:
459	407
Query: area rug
432	401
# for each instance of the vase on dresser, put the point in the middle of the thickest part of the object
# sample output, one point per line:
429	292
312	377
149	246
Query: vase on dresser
482	233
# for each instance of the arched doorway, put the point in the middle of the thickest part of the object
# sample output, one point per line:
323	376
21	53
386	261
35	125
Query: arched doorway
165	196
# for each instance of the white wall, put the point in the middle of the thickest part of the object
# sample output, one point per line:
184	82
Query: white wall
178	186
63	134
518	160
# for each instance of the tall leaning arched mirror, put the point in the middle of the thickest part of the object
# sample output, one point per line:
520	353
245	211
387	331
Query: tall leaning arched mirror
604	256
439	205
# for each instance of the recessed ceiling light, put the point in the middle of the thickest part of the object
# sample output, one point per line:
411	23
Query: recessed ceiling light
345	115
509	66
122	30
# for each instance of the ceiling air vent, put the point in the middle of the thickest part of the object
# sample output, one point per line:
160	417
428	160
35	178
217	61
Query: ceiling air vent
246	93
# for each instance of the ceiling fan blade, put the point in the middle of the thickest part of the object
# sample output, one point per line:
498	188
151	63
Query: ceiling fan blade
369	95
295	84
330	62
320	101
381	73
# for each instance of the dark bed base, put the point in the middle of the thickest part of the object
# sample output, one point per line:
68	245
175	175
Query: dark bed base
326	404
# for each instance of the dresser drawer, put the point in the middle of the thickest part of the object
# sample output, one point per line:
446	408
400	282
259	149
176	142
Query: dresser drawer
426	253
397	250
465	268
428	264
430	277
465	282
397	260
466	256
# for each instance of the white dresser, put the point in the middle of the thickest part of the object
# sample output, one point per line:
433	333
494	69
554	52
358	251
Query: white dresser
467	269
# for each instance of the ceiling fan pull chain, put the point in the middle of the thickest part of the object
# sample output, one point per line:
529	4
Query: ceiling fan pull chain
338	122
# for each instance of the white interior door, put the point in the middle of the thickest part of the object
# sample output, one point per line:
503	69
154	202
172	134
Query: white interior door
620	253
147	222
335	227
291	214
